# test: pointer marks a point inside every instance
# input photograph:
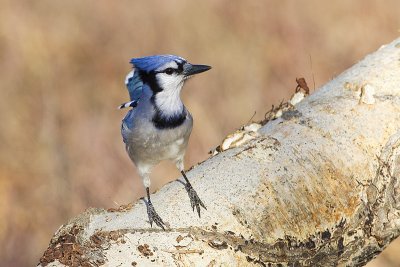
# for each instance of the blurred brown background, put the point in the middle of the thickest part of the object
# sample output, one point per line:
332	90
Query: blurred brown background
62	68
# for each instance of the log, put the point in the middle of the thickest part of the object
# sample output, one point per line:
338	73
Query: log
317	185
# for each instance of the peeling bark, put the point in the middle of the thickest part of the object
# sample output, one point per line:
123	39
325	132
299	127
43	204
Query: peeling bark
316	186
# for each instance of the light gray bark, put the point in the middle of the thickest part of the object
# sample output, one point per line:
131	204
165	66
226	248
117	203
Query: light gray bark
317	186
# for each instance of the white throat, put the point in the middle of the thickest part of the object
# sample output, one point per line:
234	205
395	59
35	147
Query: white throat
168	101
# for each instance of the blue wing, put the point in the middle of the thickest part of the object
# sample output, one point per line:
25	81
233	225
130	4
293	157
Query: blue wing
134	85
127	125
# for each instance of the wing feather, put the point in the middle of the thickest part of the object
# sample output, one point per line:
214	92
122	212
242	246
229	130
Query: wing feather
135	86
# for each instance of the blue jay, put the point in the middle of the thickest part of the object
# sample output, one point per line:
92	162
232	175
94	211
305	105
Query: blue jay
158	125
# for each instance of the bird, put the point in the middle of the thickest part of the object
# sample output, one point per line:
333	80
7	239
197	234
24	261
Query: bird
157	126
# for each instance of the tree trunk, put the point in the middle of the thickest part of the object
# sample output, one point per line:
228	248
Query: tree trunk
317	186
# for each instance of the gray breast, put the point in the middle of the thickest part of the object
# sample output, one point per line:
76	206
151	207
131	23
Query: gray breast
148	144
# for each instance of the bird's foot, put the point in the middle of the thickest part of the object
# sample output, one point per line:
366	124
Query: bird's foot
154	217
195	201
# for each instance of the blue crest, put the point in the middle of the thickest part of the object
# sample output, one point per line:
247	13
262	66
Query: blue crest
154	62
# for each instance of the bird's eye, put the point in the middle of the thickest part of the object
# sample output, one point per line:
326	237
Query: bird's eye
169	71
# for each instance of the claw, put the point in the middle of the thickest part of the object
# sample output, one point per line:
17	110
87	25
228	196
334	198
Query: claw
154	217
151	212
195	201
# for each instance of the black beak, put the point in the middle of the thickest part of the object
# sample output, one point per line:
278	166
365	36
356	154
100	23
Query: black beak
189	69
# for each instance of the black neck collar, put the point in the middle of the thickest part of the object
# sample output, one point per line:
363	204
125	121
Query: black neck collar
168	122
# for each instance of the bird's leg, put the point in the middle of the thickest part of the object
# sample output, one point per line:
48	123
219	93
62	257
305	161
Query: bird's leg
151	212
195	201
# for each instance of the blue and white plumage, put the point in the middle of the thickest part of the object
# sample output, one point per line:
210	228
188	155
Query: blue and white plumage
134	85
158	126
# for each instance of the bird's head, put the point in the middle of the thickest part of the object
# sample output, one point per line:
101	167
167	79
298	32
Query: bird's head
166	72
165	76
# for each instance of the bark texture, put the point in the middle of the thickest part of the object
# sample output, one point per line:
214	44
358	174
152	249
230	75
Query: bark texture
317	186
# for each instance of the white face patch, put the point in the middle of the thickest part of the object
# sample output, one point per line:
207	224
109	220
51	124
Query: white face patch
168	100
170	82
